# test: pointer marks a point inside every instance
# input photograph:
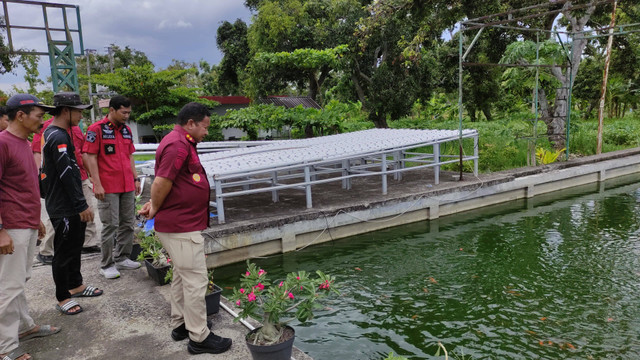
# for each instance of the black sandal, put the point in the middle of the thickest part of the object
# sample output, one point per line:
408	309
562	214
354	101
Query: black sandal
66	308
89	291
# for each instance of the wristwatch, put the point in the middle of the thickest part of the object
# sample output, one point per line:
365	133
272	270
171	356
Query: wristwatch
1	226
136	179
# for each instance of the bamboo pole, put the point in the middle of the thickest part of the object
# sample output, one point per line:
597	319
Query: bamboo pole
605	78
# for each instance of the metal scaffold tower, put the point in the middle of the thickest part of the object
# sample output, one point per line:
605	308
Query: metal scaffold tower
515	20
60	49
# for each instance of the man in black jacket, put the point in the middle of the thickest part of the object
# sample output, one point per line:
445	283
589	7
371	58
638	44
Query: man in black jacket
65	202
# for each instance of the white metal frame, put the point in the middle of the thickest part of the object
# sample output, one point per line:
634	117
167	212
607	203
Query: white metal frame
308	162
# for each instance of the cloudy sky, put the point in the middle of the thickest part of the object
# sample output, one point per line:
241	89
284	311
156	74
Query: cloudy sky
162	29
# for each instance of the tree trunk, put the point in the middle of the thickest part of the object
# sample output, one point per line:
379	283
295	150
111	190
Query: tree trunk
313	86
380	121
486	110
308	131
556	123
472	113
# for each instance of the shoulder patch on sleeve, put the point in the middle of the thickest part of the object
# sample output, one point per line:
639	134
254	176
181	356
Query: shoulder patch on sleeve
91	136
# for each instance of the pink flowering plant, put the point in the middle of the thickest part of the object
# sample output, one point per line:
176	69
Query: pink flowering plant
276	303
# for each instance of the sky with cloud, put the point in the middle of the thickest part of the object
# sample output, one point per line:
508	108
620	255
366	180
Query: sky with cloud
162	29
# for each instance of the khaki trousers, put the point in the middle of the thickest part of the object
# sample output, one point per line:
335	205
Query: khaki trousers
15	270
91	237
46	246
189	283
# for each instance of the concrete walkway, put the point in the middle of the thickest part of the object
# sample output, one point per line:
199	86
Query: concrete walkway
130	321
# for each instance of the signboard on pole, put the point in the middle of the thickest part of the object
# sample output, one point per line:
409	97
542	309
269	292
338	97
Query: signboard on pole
103	103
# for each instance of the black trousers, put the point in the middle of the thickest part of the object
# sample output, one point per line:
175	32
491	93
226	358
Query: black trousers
67	245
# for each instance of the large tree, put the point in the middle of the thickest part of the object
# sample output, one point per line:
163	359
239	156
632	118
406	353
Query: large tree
232	42
297	36
156	96
392	62
554	112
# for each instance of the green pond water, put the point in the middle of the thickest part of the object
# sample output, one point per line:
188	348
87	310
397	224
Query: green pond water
550	278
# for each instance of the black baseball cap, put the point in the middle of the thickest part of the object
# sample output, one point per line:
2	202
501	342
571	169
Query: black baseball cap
69	99
19	100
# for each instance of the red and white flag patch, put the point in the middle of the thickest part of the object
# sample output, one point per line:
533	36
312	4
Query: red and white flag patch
62	148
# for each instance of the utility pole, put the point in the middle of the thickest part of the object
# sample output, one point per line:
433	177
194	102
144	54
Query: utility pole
89	52
110	50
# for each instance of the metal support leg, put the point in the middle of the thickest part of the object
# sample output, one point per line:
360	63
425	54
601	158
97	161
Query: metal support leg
219	201
346	170
436	159
475	155
396	164
274	182
384	174
307	186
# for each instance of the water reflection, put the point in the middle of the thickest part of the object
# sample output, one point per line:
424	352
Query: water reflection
556	280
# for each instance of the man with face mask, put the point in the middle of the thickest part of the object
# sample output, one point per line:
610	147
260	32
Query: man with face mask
65	202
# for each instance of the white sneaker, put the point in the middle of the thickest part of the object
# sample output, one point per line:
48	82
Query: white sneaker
110	273
127	264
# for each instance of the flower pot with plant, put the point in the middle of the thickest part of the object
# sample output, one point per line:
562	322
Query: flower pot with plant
276	304
212	297
155	257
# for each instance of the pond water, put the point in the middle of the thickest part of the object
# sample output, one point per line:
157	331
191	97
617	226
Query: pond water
554	277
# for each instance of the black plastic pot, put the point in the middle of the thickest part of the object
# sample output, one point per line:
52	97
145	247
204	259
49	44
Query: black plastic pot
135	251
157	273
281	351
213	300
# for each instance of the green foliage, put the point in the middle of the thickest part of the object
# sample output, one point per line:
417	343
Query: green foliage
232	41
31	76
335	118
215	130
617	134
157	96
545	156
6	61
210	283
392	356
276	303
151	248
168	277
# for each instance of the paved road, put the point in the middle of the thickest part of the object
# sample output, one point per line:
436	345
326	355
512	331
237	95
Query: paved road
130	321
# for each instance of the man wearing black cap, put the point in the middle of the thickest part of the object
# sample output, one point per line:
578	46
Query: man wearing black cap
65	201
20	224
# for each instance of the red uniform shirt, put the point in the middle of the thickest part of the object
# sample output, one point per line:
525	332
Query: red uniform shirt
114	145
186	207
76	136
19	187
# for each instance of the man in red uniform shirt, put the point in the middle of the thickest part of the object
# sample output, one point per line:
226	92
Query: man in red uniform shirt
45	254
109	160
180	203
20	224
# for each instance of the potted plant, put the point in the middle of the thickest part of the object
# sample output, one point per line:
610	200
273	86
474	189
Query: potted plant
212	296
155	258
275	304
